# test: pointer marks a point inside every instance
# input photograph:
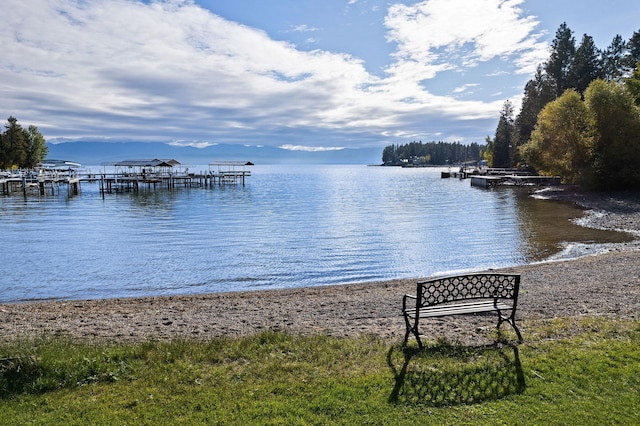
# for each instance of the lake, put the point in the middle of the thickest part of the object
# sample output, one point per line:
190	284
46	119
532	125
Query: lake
289	226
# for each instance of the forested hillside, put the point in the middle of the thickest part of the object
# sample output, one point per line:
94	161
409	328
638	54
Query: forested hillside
432	153
580	115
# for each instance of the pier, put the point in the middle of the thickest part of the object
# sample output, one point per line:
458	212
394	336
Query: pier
123	176
44	184
136	175
229	172
490	181
48	178
486	177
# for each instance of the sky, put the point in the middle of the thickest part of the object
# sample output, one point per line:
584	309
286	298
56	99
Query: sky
299	74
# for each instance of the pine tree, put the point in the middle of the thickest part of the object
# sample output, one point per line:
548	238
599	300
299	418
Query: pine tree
586	65
14	146
633	53
504	140
537	93
614	59
563	49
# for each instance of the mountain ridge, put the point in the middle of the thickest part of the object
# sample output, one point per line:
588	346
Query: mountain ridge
95	153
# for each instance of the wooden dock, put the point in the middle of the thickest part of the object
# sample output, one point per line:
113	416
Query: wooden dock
43	183
134	182
136	175
124	176
491	181
486	177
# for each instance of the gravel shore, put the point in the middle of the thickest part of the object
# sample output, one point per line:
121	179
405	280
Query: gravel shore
606	284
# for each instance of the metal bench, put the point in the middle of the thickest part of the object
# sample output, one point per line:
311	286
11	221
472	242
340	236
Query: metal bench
460	295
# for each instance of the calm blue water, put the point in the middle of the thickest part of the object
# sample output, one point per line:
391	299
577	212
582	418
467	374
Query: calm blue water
290	226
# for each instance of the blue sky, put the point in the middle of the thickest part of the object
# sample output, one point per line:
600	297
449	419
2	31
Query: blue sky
299	74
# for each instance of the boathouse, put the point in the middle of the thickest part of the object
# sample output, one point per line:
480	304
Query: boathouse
131	175
229	171
153	166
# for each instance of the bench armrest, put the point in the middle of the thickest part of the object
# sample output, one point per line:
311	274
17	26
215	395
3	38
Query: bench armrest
404	301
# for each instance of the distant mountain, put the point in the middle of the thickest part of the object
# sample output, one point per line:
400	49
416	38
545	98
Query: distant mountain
96	153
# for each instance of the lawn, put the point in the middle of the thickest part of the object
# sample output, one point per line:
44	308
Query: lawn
568	371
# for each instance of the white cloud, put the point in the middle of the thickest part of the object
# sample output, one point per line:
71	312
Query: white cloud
464	87
195	144
310	148
447	34
172	71
304	29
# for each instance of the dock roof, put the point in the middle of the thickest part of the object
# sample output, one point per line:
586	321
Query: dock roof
231	163
51	164
155	162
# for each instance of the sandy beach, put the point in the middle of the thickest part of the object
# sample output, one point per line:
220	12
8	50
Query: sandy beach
606	284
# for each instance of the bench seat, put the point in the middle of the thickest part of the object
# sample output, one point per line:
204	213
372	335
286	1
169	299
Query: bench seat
459	309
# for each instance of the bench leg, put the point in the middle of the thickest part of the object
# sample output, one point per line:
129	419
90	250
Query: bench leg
515	327
511	322
411	329
418	339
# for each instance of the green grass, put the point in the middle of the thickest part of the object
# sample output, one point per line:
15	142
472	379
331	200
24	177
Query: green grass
567	372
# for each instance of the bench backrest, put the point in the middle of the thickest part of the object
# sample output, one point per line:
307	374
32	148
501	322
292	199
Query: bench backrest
471	286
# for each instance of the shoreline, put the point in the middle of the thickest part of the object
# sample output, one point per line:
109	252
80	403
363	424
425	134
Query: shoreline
603	284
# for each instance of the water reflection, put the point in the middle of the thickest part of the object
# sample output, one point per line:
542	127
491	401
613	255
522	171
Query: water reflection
547	226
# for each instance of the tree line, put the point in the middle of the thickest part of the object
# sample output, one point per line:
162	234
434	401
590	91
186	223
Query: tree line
433	153
580	115
21	148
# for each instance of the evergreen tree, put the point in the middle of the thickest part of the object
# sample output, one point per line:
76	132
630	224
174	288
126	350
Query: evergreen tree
19	147
563	49
389	155
614	59
537	93
586	65
436	153
633	53
13	145
4	153
504	140
633	84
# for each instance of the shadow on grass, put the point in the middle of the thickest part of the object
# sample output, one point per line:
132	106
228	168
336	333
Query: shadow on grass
17	374
446	374
33	375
